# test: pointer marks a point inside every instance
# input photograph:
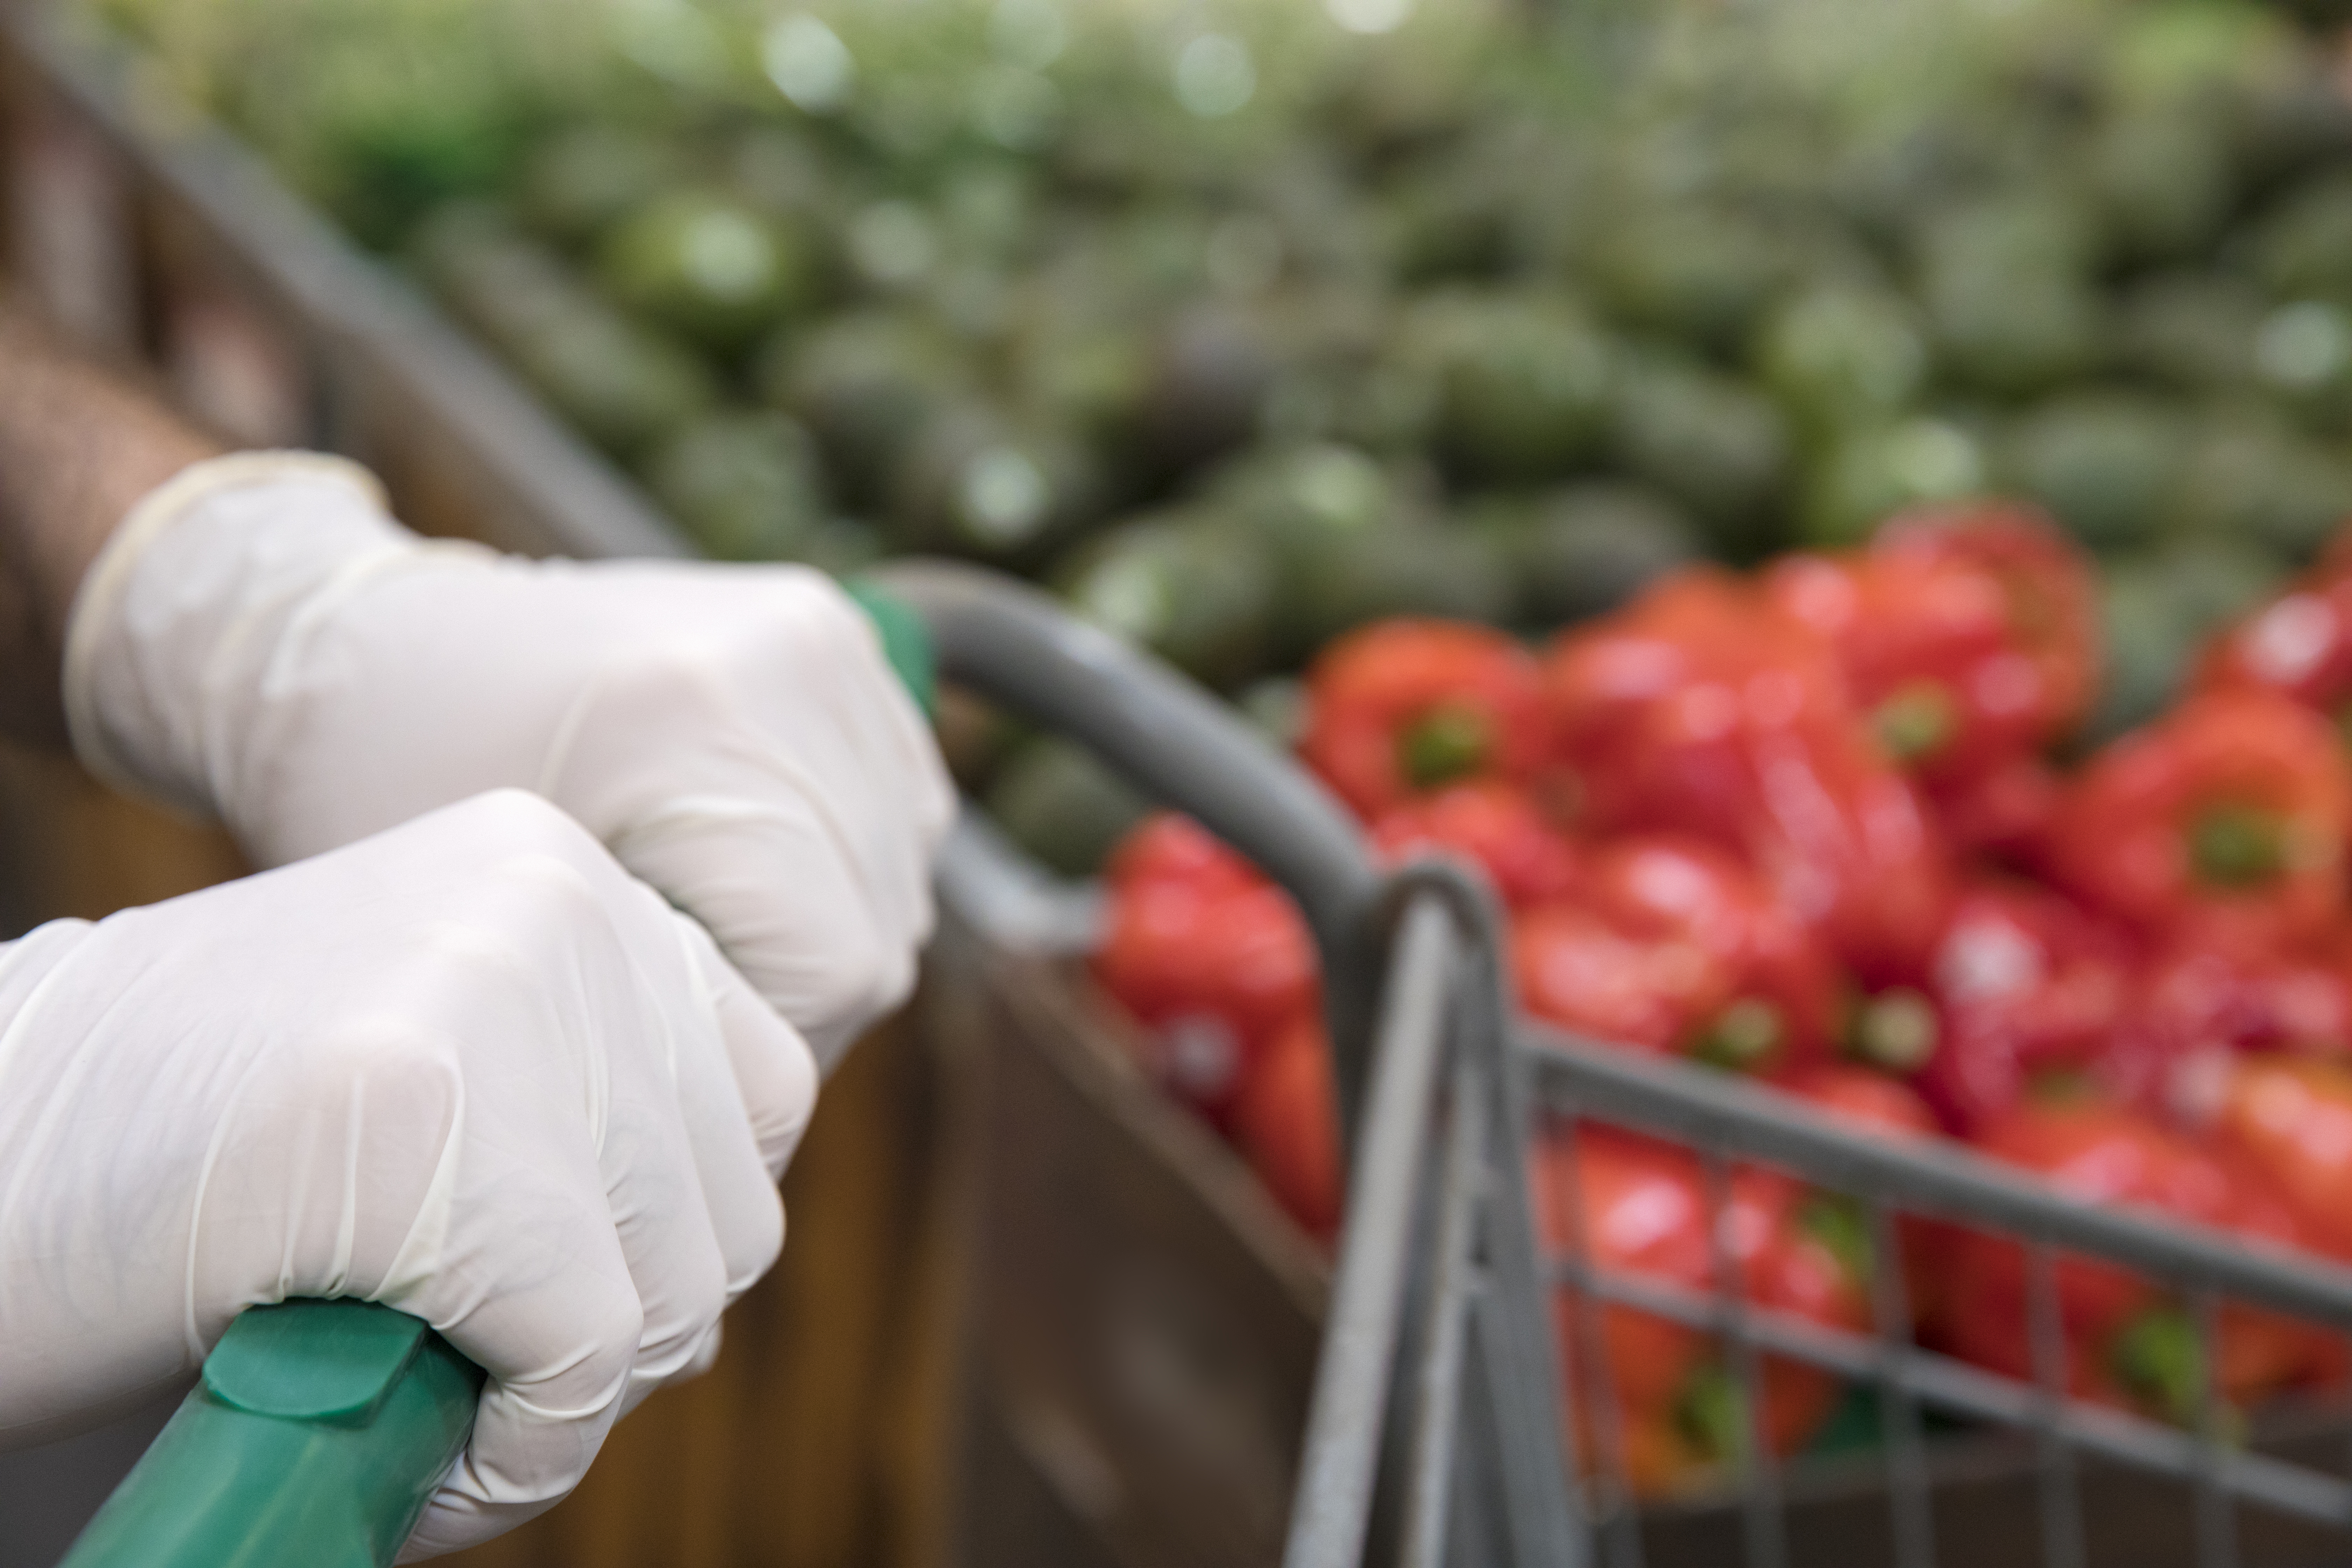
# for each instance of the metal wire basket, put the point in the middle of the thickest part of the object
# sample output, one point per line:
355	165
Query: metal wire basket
1442	1429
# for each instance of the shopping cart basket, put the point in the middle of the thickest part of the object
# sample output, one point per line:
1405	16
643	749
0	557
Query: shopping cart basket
1438	1432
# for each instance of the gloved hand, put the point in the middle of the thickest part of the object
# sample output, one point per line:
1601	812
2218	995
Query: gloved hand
468	1067
261	642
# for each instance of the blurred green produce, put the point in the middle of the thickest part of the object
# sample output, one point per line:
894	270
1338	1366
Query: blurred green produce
1242	322
1055	800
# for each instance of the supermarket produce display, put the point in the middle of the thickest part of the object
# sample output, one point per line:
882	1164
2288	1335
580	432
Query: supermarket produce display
1798	826
1389	370
1243	326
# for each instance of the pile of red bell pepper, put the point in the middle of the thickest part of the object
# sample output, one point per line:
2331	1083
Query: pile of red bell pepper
1826	825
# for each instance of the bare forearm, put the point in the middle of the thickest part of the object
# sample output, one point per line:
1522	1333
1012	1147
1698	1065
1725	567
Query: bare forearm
77	449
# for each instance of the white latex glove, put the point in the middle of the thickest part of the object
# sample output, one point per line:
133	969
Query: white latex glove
260	641
468	1067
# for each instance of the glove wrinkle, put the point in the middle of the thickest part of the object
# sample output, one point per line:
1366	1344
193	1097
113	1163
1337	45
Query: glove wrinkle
271	647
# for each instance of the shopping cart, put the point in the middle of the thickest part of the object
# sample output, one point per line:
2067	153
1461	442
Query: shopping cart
1439	1430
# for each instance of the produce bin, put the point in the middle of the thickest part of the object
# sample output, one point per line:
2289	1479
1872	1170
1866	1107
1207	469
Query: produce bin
1142	1366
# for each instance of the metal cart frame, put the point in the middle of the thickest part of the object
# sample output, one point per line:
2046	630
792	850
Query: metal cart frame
1436	1435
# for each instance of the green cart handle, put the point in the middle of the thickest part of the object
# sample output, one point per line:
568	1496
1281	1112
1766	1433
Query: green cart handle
315	1436
319	1429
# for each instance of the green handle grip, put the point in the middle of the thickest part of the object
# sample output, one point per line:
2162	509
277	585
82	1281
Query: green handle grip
315	1436
319	1429
905	639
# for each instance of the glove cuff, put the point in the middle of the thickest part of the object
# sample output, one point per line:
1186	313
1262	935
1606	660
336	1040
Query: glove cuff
178	628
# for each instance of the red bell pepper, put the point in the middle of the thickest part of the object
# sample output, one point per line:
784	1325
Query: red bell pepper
2026	988
1579	970
2127	1342
1642	1208
1783	984
2300	644
1864	1097
1168	848
1404	706
2223	990
1967	633
2004	814
1208	955
2291	1118
1885	1105
2237	802
1286	1125
1702	707
1497	826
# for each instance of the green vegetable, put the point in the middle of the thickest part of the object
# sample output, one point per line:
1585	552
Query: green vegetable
2107	463
972	484
2155	609
1872	473
1191	587
1585	549
865	383
1843	354
1711	442
2009	294
707	266
1066	809
1523	383
747	486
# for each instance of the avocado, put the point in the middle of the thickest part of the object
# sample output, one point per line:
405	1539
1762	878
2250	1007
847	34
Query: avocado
2253	478
2303	244
1843	354
1089	377
625	386
2107	463
1189	586
2189	331
2303	355
1584	549
1715	444
583	178
1523	382
2155	608
1065	807
2007	285
864	382
1354	540
1208	372
2160	183
745	483
707	267
975	484
1697	274
1871	473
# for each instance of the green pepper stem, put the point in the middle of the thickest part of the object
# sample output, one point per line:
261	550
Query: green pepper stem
1838	1223
1895	1030
2157	1357
2232	846
1740	1038
1711	1412
1916	722
1446	743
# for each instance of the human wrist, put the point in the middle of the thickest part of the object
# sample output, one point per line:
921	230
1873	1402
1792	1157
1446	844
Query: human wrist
182	617
78	446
